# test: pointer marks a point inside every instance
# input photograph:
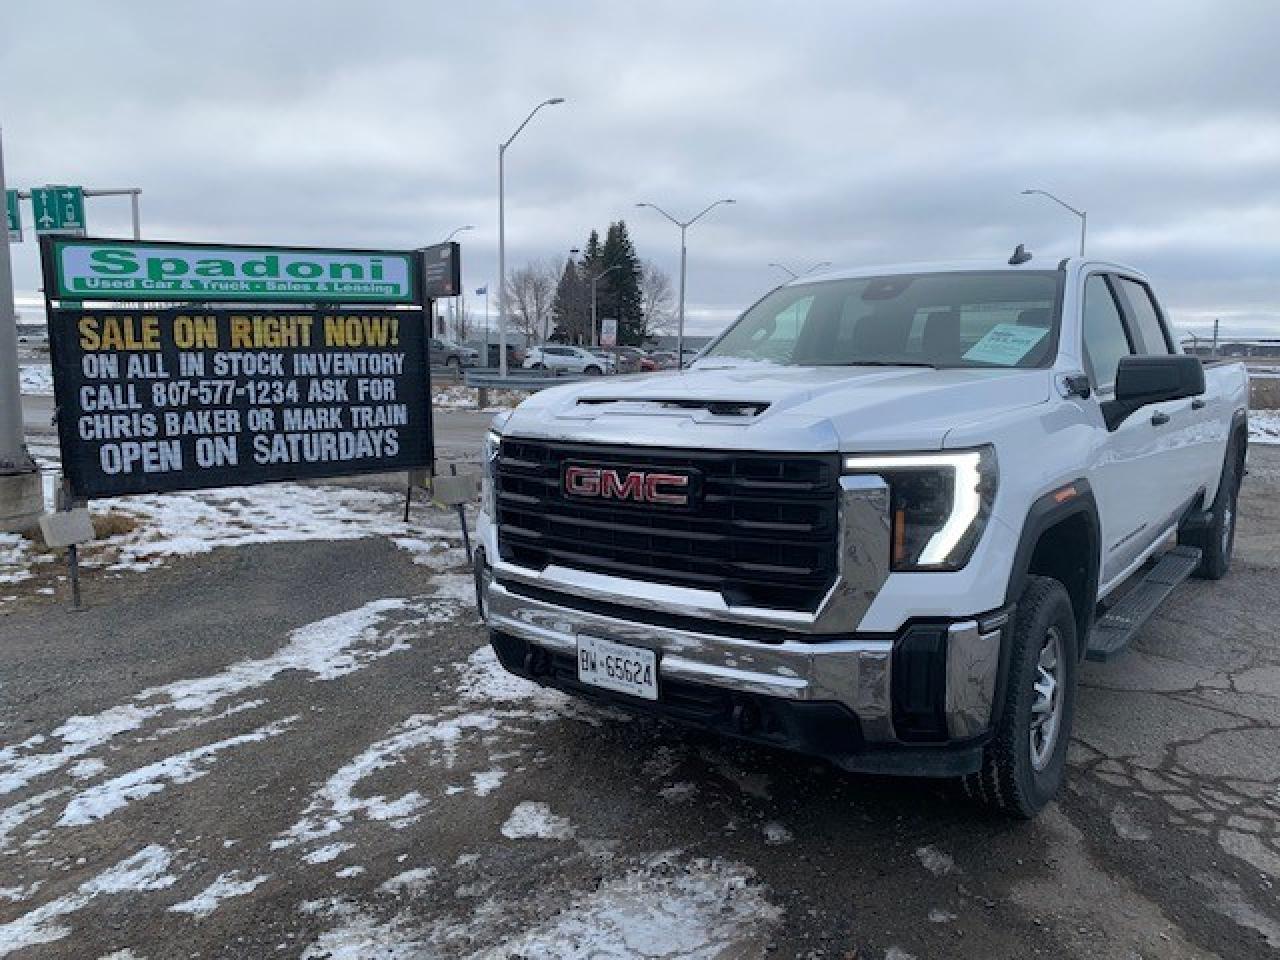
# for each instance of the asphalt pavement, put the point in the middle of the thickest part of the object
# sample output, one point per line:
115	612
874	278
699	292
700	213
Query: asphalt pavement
303	749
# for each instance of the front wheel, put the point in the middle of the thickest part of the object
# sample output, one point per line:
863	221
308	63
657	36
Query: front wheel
1025	763
592	371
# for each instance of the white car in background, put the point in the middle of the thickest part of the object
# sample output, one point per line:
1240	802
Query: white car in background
568	359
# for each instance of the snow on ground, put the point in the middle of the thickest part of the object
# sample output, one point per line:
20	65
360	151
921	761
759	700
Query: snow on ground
35	379
223	888
660	910
535	821
152	530
1264	426
325	650
145	870
464	398
103	799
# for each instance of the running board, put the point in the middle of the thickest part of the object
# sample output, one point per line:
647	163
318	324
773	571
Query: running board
1111	634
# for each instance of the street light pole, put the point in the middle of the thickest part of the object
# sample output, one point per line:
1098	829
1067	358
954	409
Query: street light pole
684	257
1084	217
595	327
796	276
502	235
21	493
453	301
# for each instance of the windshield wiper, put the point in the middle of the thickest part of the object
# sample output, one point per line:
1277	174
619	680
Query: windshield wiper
888	363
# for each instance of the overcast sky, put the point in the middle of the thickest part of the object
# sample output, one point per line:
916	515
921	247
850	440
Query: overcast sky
859	133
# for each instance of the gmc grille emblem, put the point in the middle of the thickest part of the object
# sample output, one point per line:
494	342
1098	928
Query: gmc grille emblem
635	486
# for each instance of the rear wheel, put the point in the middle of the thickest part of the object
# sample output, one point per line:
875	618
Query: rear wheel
1217	539
1024	764
592	371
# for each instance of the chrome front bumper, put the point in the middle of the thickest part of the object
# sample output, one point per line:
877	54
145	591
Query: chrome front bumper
856	673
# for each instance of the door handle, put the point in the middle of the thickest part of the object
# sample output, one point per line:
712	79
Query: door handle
1159	418
1199	403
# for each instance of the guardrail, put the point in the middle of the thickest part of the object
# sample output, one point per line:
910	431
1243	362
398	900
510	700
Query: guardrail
484	378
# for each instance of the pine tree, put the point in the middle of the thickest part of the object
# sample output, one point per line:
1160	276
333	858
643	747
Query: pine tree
569	321
619	291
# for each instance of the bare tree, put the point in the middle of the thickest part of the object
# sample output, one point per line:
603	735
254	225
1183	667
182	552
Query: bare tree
530	292
657	299
460	320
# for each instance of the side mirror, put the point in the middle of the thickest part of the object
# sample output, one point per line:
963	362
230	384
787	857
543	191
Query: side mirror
1152	379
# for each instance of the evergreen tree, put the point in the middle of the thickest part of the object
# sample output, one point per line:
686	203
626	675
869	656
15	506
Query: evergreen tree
568	318
619	292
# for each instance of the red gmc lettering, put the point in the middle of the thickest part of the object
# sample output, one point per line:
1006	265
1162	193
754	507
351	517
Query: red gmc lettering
634	485
654	495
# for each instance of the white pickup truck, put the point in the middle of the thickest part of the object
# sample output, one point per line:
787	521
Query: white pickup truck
880	520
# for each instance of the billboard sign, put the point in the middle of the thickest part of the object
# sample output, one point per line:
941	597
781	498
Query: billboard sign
152	271
151	401
441	271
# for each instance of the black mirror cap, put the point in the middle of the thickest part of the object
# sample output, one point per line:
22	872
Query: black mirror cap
1154	379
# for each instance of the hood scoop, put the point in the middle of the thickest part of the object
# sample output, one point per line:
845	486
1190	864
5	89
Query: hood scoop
717	408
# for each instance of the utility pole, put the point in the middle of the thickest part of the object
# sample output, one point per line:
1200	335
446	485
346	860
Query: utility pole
684	226
1216	321
21	493
502	234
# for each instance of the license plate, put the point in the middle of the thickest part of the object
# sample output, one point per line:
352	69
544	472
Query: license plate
618	667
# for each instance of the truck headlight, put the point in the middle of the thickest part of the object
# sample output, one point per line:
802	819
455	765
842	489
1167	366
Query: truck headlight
488	494
939	504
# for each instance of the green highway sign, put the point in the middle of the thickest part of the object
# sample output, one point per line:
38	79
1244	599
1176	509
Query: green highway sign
13	216
123	270
58	210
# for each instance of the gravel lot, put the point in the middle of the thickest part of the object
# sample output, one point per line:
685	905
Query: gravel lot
297	745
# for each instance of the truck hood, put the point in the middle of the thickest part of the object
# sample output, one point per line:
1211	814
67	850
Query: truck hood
772	407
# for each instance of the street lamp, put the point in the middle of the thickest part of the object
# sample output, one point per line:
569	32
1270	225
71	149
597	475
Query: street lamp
595	330
453	302
1084	217
502	235
796	276
453	233
684	226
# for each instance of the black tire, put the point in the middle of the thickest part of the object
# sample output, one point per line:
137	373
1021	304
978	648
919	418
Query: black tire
593	371
1217	539
1011	781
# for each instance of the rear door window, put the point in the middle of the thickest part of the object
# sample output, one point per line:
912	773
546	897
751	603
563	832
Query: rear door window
1144	317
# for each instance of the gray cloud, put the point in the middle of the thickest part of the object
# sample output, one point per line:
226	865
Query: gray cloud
857	133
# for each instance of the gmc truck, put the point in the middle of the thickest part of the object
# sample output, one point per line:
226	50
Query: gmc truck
880	520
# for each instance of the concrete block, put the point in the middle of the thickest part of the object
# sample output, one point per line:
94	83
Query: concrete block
21	501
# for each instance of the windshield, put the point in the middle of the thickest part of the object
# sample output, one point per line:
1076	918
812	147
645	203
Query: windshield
978	319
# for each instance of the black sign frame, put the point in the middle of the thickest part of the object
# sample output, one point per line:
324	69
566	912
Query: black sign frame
422	309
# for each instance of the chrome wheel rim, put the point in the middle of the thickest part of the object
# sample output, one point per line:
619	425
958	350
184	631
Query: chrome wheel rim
1046	705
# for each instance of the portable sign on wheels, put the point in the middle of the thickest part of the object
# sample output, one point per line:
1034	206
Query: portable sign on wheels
272	364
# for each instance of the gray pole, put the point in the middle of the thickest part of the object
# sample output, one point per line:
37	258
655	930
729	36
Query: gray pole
593	311
684	225
680	328
137	219
502	265
1084	222
21	495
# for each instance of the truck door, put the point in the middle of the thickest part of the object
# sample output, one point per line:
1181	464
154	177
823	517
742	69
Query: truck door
1128	468
1193	435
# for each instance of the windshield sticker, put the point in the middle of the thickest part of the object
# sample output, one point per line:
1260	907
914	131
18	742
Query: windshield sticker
1005	344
